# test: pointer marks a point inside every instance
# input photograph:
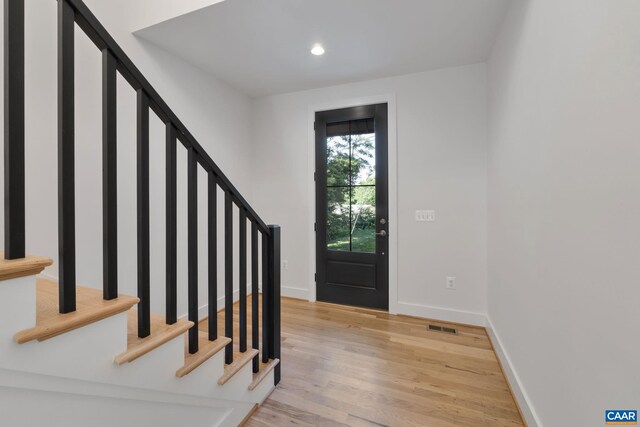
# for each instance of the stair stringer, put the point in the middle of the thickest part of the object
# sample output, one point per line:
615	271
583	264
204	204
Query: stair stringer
28	399
263	390
17	307
238	386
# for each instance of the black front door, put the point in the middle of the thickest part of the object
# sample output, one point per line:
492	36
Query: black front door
352	247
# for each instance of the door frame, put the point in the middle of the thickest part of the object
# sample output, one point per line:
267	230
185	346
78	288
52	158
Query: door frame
392	145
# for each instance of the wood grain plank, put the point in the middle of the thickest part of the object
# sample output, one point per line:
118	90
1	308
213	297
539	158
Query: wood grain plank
263	372
160	334
27	266
91	307
239	360
358	367
206	350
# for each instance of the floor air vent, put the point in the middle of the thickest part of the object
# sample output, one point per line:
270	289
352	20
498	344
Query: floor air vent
444	329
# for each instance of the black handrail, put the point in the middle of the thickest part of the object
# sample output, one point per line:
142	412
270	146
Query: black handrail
103	40
114	60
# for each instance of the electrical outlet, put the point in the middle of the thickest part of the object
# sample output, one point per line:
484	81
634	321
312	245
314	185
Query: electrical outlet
451	282
425	216
285	264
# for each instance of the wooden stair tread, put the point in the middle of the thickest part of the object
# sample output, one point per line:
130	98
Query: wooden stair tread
90	308
160	334
239	360
262	374
27	266
206	349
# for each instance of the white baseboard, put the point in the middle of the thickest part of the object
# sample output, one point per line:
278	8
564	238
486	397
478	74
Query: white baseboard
526	408
236	298
292	292
480	319
203	310
287	291
440	313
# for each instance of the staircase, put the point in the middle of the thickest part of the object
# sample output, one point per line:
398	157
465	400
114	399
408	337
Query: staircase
63	345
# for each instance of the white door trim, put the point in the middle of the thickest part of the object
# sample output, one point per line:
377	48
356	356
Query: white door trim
390	99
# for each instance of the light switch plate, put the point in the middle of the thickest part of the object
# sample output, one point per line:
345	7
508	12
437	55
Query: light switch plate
425	216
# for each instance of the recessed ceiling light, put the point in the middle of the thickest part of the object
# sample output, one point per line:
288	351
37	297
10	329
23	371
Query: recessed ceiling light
317	50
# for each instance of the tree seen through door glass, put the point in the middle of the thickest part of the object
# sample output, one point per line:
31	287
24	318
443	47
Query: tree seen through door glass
338	218
351	193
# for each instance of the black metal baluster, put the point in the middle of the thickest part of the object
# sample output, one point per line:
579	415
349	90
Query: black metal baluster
70	13
144	313
212	218
101	38
274	298
242	276
171	227
66	159
14	227
192	235
255	323
109	178
228	275
265	297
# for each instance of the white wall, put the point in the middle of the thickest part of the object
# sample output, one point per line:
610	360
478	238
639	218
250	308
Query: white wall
216	115
564	203
151	12
441	140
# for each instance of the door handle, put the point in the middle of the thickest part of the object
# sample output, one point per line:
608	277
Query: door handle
381	233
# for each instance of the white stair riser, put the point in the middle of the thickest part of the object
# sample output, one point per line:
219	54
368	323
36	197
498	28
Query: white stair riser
85	353
204	379
17	306
263	390
238	385
155	369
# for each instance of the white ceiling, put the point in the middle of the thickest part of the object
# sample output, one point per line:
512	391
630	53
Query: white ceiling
261	47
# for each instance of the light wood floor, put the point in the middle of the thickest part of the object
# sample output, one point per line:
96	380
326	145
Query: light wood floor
345	366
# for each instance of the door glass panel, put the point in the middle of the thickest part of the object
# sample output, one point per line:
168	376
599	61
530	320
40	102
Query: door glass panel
351	187
363	159
338	219
338	166
363	228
